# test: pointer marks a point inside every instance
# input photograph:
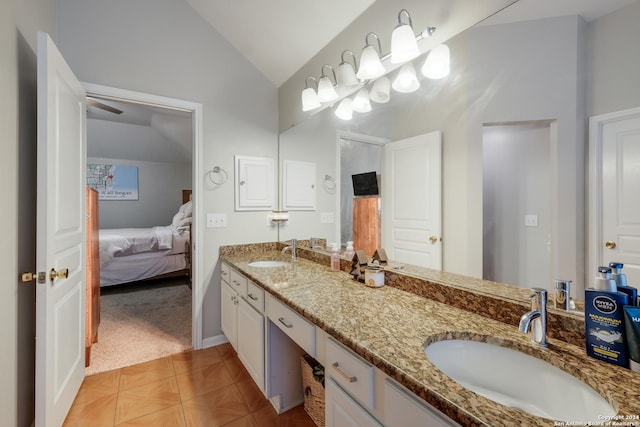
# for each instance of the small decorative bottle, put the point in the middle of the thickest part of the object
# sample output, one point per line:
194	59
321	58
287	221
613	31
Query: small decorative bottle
349	252
335	257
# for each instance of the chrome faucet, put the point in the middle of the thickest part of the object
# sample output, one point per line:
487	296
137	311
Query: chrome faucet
313	242
292	248
537	314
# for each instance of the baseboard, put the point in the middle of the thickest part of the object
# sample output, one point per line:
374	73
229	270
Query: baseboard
214	341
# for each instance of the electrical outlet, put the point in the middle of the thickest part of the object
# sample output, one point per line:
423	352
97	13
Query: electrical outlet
216	220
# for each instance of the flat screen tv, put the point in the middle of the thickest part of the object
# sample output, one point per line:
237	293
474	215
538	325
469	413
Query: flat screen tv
365	184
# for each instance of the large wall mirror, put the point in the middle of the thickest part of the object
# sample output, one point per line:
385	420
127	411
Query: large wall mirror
513	116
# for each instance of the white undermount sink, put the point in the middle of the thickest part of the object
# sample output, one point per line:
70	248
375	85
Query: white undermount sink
268	264
518	380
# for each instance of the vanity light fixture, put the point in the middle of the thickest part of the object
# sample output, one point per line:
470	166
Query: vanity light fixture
437	64
361	103
326	89
406	81
404	46
344	110
381	90
346	75
310	100
370	65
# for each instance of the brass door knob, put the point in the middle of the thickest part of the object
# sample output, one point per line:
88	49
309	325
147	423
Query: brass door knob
62	274
433	240
609	244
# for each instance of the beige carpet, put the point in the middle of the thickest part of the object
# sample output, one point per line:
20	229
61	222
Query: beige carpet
141	322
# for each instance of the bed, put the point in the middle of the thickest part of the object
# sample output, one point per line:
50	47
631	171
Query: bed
134	254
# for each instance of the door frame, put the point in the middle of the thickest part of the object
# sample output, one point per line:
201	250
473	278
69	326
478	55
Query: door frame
594	206
196	111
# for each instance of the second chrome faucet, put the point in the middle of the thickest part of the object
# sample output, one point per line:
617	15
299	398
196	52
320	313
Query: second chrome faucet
292	248
537	315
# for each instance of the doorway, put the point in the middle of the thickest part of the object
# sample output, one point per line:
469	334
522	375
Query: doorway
517	203
168	116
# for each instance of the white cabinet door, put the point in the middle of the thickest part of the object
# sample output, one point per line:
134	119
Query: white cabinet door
251	341
229	310
402	408
342	411
299	186
254	183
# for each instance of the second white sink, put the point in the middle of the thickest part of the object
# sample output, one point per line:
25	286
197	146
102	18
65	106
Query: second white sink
518	380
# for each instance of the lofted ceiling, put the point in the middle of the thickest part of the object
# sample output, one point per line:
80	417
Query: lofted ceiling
278	37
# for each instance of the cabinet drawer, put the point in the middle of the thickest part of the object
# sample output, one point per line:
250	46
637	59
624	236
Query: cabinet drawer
238	282
351	372
225	273
255	296
292	324
403	408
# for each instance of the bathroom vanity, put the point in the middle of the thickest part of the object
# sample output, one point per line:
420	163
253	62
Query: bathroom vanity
372	342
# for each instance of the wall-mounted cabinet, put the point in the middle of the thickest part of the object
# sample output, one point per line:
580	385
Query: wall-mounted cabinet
298	186
254	183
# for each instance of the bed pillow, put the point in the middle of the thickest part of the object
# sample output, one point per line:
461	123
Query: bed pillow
187	209
177	218
184	222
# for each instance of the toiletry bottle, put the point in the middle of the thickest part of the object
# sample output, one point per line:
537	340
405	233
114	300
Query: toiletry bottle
604	282
621	282
335	257
349	252
604	320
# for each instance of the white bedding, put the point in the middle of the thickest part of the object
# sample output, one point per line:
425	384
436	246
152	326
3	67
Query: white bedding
118	242
125	269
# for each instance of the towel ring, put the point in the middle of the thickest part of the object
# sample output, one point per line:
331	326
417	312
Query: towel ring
220	173
329	183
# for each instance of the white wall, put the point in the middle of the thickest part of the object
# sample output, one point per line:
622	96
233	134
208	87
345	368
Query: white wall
19	22
613	61
163	47
160	188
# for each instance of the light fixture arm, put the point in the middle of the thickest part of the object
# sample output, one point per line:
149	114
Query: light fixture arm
306	82
400	18
366	41
353	56
335	81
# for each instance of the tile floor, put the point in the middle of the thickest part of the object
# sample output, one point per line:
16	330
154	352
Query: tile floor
198	388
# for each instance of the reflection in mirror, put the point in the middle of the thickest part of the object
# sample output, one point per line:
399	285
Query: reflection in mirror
516	188
556	70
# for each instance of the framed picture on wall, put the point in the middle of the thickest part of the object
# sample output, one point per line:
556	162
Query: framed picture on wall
113	182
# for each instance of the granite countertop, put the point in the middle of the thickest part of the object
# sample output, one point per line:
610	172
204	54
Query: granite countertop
390	328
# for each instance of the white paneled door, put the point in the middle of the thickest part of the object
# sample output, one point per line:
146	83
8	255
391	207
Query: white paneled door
411	200
60	300
617	145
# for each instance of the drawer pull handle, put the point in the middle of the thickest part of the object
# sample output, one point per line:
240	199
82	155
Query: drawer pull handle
344	374
281	320
253	297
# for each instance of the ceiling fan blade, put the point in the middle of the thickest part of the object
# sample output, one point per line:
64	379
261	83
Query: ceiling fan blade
92	102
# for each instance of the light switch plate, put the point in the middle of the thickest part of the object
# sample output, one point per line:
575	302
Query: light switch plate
216	220
326	218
